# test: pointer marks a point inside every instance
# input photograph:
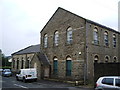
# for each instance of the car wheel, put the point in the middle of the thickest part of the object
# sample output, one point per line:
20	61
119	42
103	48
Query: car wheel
100	89
17	79
35	80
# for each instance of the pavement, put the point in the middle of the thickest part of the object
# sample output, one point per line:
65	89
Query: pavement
58	83
51	84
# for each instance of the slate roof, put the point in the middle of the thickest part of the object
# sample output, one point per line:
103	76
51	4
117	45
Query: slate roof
43	58
29	49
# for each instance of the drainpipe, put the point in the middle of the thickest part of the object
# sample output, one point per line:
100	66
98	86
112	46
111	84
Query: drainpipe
86	54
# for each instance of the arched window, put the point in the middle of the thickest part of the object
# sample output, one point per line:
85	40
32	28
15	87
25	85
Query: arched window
28	62
45	40
107	58
114	59
68	66
55	66
56	38
114	40
96	58
22	62
96	37
13	63
106	38
17	63
69	35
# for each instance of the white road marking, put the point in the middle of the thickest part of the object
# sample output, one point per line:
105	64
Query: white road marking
20	86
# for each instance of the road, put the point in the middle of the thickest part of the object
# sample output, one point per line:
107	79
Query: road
10	82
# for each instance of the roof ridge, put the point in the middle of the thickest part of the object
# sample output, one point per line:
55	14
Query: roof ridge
24	49
21	50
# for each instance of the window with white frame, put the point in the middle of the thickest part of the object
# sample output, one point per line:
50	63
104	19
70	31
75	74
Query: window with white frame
69	35
106	41
107	58
96	58
45	40
56	38
114	40
114	59
96	37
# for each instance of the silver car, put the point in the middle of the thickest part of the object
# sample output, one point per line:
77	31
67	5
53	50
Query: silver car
6	72
108	83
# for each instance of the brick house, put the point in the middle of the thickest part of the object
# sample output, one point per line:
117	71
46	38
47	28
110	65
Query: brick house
31	57
73	44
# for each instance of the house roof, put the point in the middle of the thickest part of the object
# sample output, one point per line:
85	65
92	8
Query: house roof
43	58
87	20
29	49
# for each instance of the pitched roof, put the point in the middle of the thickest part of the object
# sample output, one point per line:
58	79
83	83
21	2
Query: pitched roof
87	20
30	49
43	58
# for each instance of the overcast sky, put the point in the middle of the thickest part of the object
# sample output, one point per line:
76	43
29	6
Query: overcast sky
22	20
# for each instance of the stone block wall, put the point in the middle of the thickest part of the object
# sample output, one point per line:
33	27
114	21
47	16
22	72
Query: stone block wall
21	57
100	50
60	21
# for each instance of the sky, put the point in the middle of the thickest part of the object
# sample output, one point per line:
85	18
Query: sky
22	20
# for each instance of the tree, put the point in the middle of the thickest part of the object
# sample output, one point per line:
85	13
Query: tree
4	60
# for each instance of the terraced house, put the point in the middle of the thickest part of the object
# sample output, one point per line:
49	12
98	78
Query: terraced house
73	44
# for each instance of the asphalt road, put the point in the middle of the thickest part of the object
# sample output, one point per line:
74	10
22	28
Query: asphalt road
10	83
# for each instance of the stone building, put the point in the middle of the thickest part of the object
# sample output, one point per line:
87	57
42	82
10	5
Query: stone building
31	57
73	44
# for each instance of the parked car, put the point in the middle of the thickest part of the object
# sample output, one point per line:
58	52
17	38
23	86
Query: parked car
6	72
27	74
108	83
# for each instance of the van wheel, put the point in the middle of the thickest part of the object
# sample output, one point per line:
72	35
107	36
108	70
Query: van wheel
17	79
35	80
24	80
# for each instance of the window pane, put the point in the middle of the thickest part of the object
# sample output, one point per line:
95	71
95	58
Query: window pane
106	38
114	40
17	64
27	63
56	38
69	36
22	64
96	41
108	81
45	40
117	81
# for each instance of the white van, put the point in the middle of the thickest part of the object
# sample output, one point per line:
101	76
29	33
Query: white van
27	74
